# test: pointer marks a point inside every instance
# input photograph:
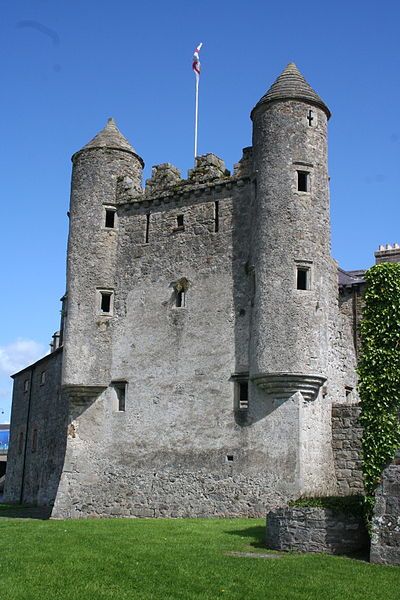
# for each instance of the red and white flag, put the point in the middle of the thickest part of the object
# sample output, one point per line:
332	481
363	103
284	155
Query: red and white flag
196	60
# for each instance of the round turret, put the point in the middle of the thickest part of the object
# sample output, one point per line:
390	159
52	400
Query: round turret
92	252
295	277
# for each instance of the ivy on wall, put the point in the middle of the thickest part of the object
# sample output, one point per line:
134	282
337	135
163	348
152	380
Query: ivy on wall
379	371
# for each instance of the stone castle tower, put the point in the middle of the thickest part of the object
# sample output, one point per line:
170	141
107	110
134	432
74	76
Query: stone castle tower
202	342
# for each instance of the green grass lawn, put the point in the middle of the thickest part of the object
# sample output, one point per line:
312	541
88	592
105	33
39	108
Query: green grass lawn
172	559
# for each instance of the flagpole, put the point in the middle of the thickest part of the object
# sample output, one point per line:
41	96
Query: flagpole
196	69
196	119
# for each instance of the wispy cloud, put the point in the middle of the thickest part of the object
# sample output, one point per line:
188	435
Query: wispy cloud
19	354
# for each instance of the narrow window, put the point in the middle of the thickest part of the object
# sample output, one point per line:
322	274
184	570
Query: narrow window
180	299
110	218
34	440
303	181
348	392
42	377
180	224
120	392
105	302
229	458
243	395
303	278
146	238
310	118
216	216
20	442
26	385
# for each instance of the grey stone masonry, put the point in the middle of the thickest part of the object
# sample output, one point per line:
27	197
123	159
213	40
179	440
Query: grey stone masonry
385	540
346	444
311	529
38	433
203	341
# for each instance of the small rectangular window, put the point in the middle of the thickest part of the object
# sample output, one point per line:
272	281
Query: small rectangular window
110	218
243	395
26	385
34	440
180	299
216	216
105	302
303	181
303	278
42	377
120	393
147	233
180	223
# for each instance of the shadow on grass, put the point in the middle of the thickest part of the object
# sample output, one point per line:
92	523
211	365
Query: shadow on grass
255	535
20	511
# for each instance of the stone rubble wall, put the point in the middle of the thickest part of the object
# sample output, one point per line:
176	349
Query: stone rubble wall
312	529
346	444
35	460
385	540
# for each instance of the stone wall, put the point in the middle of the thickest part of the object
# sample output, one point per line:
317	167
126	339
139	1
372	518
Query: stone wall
38	433
346	443
178	449
310	529
385	539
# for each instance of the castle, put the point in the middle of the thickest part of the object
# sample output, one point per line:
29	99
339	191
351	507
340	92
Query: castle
206	359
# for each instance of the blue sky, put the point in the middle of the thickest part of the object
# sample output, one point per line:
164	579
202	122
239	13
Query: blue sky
68	65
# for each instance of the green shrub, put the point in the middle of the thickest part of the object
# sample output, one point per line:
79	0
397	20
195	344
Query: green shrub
379	371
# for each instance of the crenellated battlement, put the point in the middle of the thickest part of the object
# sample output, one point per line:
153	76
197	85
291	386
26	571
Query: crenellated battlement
387	253
209	176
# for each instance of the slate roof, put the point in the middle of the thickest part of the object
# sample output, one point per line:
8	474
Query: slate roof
291	85
110	137
349	278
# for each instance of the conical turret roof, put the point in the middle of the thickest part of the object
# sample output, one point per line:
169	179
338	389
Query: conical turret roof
291	85
111	137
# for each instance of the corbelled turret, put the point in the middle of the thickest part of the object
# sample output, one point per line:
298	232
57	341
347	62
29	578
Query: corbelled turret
295	276
92	248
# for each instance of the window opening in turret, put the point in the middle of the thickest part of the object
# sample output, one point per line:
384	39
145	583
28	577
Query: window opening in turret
180	300
105	305
120	392
180	223
310	118
147	234
348	390
303	278
303	181
243	395
110	218
216	216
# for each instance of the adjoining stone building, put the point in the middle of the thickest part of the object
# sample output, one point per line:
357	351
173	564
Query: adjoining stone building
206	333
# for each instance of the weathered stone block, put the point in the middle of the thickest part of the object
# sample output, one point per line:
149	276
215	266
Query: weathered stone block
311	529
385	538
